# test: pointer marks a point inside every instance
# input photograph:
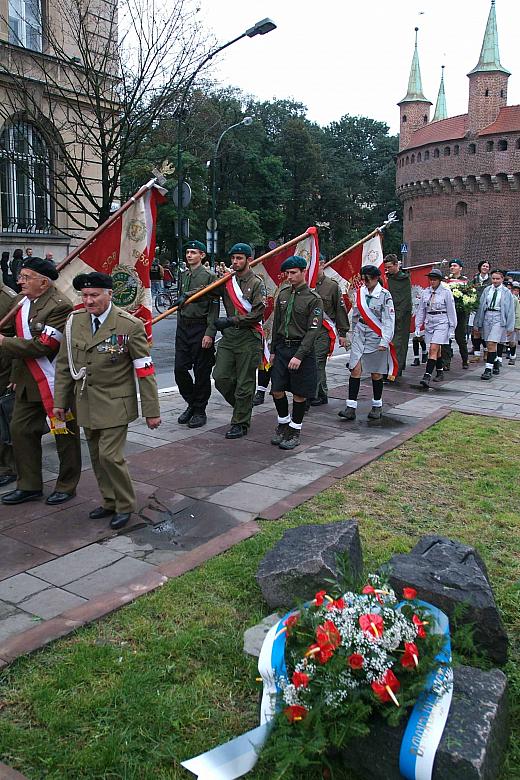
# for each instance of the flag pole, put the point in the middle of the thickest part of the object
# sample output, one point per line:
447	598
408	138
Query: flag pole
225	278
424	265
389	220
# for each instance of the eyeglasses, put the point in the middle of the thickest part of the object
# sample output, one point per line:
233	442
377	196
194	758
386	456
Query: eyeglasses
25	278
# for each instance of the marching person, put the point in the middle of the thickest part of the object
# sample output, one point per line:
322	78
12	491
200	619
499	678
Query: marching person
373	321
39	328
297	322
103	350
335	323
400	286
495	321
418	342
480	281
7	464
240	349
436	311
513	342
195	336
461	331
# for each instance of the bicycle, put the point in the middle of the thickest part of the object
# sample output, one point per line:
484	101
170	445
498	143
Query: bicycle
165	299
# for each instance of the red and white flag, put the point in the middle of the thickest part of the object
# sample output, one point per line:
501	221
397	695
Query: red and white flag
419	281
346	269
124	249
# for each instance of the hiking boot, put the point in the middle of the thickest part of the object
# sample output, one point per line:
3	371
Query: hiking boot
349	413
496	368
279	433
487	374
198	420
290	440
439	376
512	361
186	416
375	413
416	362
425	381
259	397
236	431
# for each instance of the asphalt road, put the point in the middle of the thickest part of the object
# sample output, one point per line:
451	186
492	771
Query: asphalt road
163	350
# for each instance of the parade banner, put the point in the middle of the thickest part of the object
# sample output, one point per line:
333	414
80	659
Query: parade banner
345	268
419	282
124	248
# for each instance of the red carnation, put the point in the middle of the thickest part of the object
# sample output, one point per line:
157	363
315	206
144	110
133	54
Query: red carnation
420	626
300	679
409	593
411	655
290	622
372	624
318	598
355	661
295	712
386	687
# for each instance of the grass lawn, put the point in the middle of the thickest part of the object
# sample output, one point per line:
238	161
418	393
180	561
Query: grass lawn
165	678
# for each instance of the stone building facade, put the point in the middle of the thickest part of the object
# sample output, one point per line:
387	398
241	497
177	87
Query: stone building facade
458	178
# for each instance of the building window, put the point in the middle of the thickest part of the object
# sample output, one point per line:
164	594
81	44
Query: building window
502	145
502	93
410	214
25	24
413	159
427	155
456	150
405	118
419	157
407	160
25	180
461	209
447	151
518	143
472	148
425	119
436	153
486	93
489	146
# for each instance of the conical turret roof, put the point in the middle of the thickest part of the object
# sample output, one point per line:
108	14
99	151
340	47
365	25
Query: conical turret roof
440	107
415	91
489	60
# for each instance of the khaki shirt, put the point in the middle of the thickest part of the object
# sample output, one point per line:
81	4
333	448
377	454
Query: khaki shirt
206	307
107	396
253	290
333	303
305	322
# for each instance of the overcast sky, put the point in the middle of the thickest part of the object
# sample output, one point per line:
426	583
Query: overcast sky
353	57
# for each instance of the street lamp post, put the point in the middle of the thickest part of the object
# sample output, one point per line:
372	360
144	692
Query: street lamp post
260	28
245	122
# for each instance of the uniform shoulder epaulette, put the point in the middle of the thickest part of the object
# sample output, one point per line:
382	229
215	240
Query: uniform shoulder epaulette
9	292
126	315
313	291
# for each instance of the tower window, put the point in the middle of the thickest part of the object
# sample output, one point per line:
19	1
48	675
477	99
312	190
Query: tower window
413	159
405	118
472	148
486	93
518	143
502	145
410	214
419	157
425	119
447	151
456	149
407	160
436	152
461	209
427	155
489	146
501	93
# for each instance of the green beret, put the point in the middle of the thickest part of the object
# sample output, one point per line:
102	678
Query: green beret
294	262
241	249
195	245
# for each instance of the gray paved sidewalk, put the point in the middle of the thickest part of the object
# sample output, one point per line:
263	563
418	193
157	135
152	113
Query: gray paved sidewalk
197	490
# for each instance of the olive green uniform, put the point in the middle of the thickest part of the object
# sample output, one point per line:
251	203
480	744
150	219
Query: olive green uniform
29	418
106	397
334	307
7	297
240	349
400	288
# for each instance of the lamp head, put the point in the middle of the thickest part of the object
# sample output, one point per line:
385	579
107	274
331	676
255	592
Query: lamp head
247	120
261	28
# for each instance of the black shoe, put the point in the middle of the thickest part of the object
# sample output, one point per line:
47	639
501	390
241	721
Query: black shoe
236	431
7	479
424	358
58	498
487	374
496	369
119	520
259	398
20	496
198	420
279	433
186	416
465	365
100	512
416	362
349	413
290	440
425	381
319	401
439	376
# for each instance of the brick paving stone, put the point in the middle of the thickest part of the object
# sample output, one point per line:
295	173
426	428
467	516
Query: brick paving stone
6	609
76	564
118	573
15	624
17	557
20	587
320	454
248	496
295	475
51	602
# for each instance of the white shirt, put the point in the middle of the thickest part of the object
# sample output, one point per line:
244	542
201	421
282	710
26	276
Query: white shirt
491	290
100	317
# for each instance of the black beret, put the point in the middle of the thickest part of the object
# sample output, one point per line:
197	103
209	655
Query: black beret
195	245
370	270
241	249
435	273
41	266
94	279
294	262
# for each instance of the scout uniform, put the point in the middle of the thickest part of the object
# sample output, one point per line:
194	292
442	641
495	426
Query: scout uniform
298	316
7	465
400	288
461	330
194	321
495	318
334	313
240	349
98	368
45	323
436	311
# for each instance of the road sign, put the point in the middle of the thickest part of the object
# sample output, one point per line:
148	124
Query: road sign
186	194
210	237
404	249
211	224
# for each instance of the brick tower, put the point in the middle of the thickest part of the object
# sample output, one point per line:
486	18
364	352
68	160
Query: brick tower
414	107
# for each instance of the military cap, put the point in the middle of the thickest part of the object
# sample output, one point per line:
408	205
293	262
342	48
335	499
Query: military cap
93	279
195	245
456	260
294	262
435	273
371	270
41	266
241	249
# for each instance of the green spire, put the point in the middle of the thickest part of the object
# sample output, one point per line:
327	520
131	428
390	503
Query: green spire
415	90
440	106
489	60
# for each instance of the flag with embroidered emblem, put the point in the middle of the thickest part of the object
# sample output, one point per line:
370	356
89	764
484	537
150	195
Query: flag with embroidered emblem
345	269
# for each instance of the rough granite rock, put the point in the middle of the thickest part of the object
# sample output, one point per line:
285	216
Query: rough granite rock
297	566
447	574
472	746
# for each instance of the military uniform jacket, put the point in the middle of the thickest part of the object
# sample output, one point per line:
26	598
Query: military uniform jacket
305	320
7	297
333	303
400	288
206	307
253	290
50	309
106	395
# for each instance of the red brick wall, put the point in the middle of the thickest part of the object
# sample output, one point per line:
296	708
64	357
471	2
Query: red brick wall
415	114
483	109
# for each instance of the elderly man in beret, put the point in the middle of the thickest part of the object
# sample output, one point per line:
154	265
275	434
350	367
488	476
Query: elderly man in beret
240	349
103	350
195	336
39	328
298	315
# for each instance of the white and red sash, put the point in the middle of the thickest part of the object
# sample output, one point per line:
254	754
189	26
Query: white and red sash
331	330
41	369
243	306
377	326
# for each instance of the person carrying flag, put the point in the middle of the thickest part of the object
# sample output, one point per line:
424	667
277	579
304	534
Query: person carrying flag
373	323
240	350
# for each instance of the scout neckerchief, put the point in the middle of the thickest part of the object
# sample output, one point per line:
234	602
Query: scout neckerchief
243	306
42	369
376	325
